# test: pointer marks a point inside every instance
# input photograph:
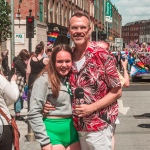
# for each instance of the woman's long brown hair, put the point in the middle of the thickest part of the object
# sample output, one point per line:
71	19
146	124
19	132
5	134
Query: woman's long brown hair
53	75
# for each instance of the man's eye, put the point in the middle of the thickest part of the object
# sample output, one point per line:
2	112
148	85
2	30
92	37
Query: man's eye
83	27
74	28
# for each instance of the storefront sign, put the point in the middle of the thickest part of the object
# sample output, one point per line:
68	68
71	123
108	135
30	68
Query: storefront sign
19	38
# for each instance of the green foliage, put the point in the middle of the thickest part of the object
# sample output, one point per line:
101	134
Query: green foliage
5	28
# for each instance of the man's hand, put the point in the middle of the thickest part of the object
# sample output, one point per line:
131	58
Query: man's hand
47	147
84	110
47	107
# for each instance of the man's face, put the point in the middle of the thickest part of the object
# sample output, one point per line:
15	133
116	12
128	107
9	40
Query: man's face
79	30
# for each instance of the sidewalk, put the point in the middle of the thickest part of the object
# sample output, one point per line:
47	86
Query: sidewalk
23	128
133	133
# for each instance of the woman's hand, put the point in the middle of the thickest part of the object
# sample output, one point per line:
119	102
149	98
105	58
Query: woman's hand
47	147
47	107
14	78
124	64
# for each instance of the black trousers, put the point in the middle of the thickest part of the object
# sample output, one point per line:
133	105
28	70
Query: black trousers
7	138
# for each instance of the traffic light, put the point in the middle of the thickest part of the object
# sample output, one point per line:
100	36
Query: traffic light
29	26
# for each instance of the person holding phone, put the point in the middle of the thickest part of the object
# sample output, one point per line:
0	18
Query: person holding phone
54	131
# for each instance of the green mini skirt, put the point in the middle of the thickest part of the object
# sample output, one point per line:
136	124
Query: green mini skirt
61	131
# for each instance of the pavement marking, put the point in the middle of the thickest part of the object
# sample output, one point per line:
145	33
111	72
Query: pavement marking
122	109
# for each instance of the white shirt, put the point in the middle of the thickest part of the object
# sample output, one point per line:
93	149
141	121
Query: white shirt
78	64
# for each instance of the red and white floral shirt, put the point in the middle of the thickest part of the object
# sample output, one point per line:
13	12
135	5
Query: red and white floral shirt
97	76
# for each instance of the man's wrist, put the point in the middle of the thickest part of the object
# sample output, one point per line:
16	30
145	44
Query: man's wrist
94	108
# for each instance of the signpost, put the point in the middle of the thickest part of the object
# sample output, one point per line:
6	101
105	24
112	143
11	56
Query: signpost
119	43
19	38
108	12
108	15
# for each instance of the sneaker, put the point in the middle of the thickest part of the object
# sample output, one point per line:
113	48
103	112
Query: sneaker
19	118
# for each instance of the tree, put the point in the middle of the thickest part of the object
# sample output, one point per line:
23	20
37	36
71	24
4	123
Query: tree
5	28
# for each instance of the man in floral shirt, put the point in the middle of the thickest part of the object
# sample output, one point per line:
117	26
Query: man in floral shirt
93	70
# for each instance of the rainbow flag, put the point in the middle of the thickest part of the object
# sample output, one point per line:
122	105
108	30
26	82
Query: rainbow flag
51	37
140	64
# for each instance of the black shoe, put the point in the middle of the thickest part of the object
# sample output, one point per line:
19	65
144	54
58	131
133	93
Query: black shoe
19	118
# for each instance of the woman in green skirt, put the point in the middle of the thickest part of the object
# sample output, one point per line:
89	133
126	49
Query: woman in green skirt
54	131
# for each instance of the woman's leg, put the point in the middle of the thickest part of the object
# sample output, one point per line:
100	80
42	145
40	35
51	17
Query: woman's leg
17	107
74	146
58	147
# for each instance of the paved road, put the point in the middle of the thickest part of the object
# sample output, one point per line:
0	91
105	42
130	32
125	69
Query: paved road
133	132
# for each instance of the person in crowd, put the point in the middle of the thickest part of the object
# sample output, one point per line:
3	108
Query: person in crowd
94	71
131	61
56	130
5	65
125	82
49	50
20	64
118	59
144	47
35	65
1	68
9	94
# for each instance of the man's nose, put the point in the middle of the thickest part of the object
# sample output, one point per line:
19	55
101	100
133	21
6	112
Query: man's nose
78	29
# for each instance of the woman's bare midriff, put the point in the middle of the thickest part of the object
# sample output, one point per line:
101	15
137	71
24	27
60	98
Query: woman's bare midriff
64	116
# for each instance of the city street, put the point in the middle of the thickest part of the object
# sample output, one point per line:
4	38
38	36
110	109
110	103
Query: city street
133	132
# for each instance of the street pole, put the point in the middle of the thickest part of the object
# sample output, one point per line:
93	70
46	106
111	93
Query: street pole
12	44
96	34
107	30
30	135
30	39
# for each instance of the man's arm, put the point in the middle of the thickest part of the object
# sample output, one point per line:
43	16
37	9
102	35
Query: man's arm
111	97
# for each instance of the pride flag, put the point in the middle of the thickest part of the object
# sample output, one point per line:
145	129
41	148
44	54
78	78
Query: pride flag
51	37
140	64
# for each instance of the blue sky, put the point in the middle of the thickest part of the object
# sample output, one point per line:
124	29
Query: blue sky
132	10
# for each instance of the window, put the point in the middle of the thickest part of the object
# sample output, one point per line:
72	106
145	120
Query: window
41	11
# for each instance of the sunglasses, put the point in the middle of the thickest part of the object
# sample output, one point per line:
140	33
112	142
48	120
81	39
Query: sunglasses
49	50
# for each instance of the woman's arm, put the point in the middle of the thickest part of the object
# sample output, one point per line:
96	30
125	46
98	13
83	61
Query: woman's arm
35	118
11	91
45	61
28	71
126	75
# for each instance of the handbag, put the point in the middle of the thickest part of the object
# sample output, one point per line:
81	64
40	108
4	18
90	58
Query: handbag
16	134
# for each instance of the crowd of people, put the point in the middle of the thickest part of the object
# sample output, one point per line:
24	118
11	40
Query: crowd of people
74	91
131	53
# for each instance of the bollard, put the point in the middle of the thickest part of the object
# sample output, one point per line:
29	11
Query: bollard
30	135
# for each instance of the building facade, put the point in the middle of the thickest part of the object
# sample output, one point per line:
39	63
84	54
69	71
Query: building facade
136	31
52	16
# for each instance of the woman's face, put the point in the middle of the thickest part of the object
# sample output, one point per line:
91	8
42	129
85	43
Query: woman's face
63	63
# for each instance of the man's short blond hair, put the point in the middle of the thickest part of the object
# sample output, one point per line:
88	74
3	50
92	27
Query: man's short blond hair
80	14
